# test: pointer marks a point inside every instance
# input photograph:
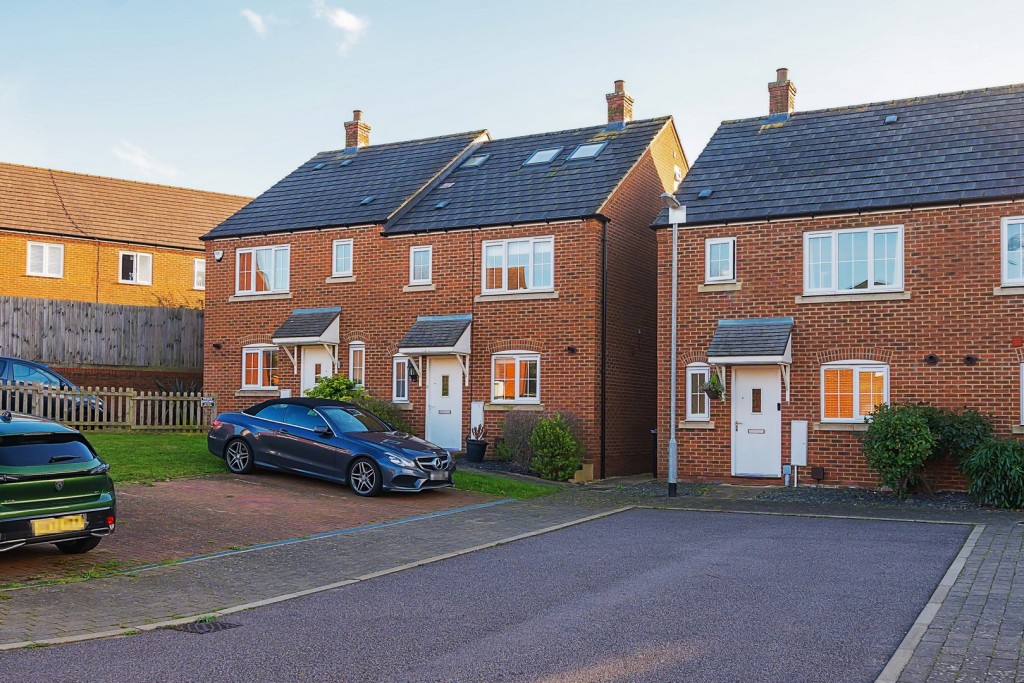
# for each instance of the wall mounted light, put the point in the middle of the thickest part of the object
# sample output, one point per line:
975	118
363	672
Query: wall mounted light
413	375
218	256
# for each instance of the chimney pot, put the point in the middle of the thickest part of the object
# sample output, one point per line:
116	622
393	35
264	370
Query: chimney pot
781	75
620	105
357	132
781	94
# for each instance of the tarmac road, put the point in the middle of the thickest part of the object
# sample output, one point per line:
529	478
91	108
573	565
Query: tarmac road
640	596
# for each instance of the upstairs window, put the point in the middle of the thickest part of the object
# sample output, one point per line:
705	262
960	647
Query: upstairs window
720	259
543	156
587	151
45	259
862	260
136	268
199	273
420	265
342	261
851	390
515	377
259	367
1013	251
475	161
518	265
262	270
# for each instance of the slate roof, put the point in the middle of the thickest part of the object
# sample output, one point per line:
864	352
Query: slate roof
45	201
503	191
965	146
440	331
306	322
751	337
333	194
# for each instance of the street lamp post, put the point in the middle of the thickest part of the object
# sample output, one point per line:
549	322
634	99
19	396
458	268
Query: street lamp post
676	215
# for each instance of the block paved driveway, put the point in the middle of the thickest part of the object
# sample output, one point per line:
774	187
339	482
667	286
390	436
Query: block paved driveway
189	517
644	595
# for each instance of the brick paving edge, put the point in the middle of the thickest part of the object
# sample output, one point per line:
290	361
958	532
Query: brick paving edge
132	630
820	515
900	659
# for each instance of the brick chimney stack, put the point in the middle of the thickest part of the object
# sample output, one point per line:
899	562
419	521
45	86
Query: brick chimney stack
620	105
357	133
781	94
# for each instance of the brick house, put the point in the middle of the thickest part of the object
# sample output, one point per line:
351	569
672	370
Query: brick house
833	260
72	237
460	277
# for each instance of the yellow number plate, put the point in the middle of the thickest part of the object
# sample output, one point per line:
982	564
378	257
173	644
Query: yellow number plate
57	525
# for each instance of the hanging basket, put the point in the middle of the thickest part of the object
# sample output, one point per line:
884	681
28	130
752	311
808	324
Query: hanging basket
713	394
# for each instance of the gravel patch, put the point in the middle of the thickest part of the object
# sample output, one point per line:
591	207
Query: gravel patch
869	498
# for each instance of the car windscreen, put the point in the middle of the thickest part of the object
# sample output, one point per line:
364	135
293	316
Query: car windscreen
349	420
31	450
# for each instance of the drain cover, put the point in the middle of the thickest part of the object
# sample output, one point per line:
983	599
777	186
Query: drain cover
203	627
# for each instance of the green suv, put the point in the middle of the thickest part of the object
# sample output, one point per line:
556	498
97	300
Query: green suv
54	488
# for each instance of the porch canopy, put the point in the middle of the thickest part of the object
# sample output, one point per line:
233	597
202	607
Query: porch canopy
309	327
438	335
753	341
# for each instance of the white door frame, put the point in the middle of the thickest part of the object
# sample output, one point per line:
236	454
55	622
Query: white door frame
302	364
732	423
455	385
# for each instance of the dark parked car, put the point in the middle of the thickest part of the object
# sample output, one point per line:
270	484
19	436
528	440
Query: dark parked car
16	371
54	488
330	440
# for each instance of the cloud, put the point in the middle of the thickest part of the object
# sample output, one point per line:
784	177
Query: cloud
351	26
257	22
142	160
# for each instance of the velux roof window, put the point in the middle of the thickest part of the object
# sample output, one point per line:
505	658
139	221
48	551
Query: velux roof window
587	151
475	161
543	156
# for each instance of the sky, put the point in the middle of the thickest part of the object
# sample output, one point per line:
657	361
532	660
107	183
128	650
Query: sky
231	95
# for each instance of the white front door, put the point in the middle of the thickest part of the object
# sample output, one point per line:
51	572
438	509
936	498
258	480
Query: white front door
316	362
756	421
444	402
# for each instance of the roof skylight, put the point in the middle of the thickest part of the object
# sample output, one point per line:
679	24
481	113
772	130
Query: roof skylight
345	162
543	156
318	166
441	204
587	151
891	118
705	193
475	161
367	200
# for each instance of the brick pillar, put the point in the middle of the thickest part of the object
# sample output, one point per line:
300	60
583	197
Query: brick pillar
620	104
357	132
781	94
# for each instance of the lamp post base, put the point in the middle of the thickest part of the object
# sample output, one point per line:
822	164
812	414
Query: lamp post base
672	490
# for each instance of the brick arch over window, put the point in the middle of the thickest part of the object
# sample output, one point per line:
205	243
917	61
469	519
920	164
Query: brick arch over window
860	353
255	339
357	336
391	349
695	357
1020	355
514	345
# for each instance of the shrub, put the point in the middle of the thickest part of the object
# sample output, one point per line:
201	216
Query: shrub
385	410
897	444
556	452
515	438
336	388
956	434
996	472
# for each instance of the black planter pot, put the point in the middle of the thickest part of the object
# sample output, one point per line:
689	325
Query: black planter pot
475	450
713	394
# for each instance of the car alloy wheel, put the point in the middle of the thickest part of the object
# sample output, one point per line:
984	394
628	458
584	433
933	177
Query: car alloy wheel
364	478
239	457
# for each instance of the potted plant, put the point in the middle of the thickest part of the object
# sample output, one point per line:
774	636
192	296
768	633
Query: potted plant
713	387
476	444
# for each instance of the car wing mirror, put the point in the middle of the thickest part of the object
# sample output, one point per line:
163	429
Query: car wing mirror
324	431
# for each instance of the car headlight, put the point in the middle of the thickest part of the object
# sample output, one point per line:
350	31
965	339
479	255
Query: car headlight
400	460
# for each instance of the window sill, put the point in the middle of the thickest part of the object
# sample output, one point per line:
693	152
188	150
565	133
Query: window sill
1018	429
1007	291
523	296
720	287
419	288
337	279
260	297
273	393
839	298
536	407
402	405
52	277
137	284
695	424
840	427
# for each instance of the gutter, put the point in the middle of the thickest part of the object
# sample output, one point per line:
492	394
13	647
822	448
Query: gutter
604	341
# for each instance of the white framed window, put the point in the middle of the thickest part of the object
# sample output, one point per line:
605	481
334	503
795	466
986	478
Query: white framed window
698	407
45	259
859	260
421	269
515	377
357	362
720	259
342	258
135	268
400	380
199	273
850	390
262	270
259	367
519	265
1012	250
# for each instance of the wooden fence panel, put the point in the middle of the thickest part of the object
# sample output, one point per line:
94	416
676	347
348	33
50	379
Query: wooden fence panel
86	333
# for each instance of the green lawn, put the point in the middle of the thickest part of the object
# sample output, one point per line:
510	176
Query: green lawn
156	457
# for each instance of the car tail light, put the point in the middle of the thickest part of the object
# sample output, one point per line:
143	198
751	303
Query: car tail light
110	521
217	423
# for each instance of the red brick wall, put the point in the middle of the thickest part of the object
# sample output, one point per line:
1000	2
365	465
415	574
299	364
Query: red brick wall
951	267
140	379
